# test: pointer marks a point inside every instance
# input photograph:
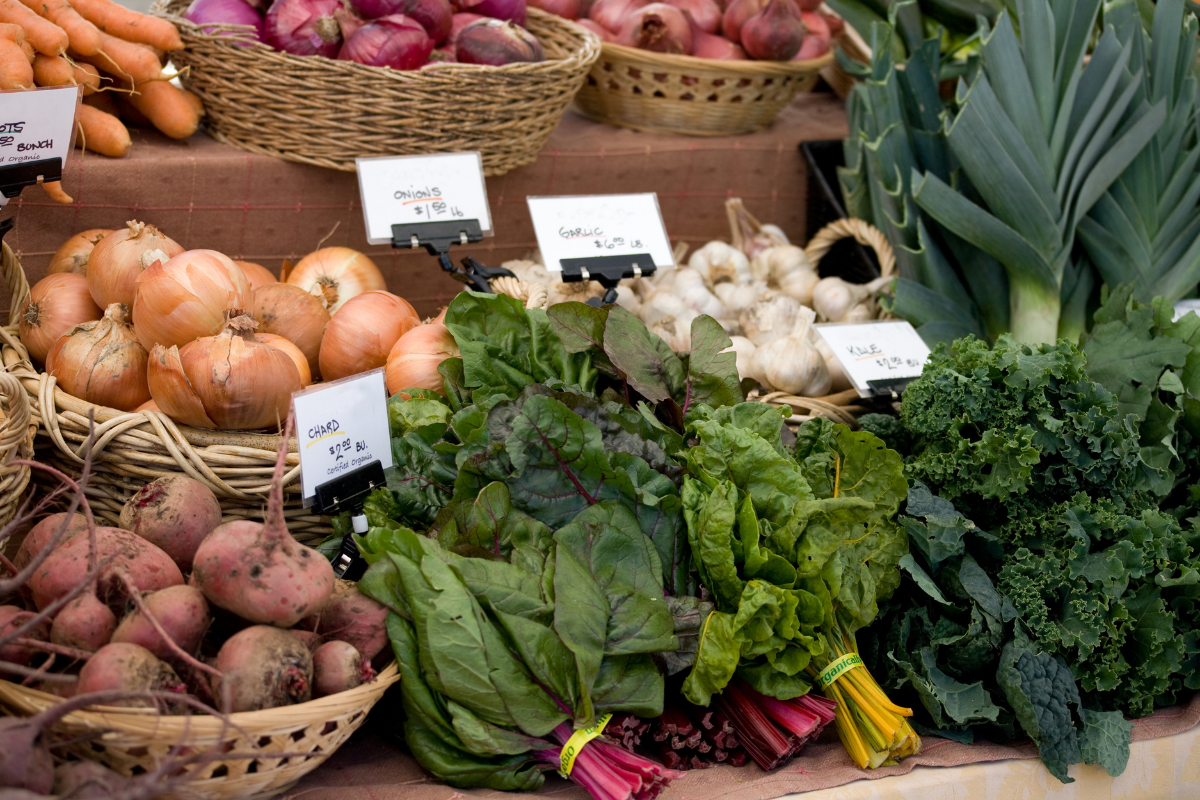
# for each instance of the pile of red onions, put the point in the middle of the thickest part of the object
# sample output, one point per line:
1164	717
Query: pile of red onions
398	34
769	30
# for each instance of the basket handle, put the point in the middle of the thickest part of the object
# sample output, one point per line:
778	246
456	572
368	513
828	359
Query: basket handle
18	284
533	295
862	232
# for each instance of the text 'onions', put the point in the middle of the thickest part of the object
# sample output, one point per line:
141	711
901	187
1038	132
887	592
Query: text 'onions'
304	27
394	41
102	362
335	274
414	359
230	381
56	304
74	254
361	338
120	257
294	314
187	298
257	274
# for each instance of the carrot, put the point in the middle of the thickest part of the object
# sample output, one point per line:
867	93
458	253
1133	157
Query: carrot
131	26
132	63
52	71
101	133
56	193
83	35
196	102
10	31
128	113
45	36
15	70
87	76
102	101
27	49
167	107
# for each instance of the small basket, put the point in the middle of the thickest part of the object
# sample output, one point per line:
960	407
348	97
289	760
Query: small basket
134	448
326	112
134	741
664	93
16	442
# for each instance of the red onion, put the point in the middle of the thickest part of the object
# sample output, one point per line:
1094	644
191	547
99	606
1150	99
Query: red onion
705	13
511	10
736	14
775	33
304	27
225	12
595	27
611	14
394	41
716	48
457	23
348	21
434	15
585	8
567	9
658	27
493	42
818	40
809	5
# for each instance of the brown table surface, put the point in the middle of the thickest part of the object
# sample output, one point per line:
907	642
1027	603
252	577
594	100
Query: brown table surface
208	195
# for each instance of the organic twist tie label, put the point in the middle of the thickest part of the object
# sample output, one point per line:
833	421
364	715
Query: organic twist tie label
837	668
566	760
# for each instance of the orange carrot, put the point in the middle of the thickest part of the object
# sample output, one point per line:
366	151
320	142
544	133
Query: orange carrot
15	70
45	36
87	76
83	35
56	193
10	31
115	20
128	114
167	107
52	71
132	63
27	49
102	101
196	102
101	133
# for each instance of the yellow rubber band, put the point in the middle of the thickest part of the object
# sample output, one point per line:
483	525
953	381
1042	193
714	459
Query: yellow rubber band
566	760
837	667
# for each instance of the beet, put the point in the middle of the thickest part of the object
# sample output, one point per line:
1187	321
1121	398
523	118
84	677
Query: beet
127	667
337	666
87	780
264	667
11	619
175	513
351	616
182	612
43	533
150	568
84	623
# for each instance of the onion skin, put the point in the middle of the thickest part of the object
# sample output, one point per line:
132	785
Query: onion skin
507	10
187	297
706	14
120	257
288	311
595	27
303	27
258	275
149	405
361	339
611	14
102	362
716	48
335	274
736	14
414	359
225	12
229	381
494	43
435	16
74	254
819	38
396	42
457	23
280	343
774	34
56	304
659	28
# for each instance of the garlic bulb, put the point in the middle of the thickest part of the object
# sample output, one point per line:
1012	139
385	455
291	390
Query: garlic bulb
776	263
836	374
865	311
580	292
660	305
792	363
676	331
799	284
744	348
774	316
833	297
629	300
528	271
737	297
719	262
102	361
691	289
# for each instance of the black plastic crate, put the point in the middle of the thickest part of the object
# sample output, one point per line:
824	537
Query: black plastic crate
847	259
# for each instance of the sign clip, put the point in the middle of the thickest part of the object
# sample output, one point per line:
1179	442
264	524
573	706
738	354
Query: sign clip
607	271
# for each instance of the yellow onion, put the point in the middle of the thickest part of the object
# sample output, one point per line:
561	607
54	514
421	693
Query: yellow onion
257	274
280	343
187	298
56	304
149	405
74	254
289	311
414	359
102	362
335	274
119	258
360	336
230	381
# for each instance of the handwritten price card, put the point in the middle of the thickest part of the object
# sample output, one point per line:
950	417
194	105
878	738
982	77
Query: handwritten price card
38	124
876	351
587	226
413	189
341	426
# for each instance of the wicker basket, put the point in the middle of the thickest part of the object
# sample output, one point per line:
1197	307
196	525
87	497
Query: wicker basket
325	112
16	442
691	96
134	741
132	449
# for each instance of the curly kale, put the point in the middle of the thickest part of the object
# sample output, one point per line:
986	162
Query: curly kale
889	429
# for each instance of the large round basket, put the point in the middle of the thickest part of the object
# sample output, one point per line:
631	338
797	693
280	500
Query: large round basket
132	449
16	443
665	93
134	741
321	111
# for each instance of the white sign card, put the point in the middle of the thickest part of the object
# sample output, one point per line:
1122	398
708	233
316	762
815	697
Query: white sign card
876	351
1184	306
587	226
38	123
411	189
341	426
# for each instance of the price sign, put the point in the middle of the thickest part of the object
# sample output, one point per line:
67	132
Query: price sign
1183	307
37	124
586	226
341	426
414	189
876	351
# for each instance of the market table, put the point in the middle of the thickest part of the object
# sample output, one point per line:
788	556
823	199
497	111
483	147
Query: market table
1164	764
255	208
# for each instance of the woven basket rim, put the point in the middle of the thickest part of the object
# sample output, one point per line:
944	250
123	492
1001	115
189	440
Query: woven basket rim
679	63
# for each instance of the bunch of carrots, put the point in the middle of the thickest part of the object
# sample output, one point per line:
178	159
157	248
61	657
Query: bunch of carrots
114	53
